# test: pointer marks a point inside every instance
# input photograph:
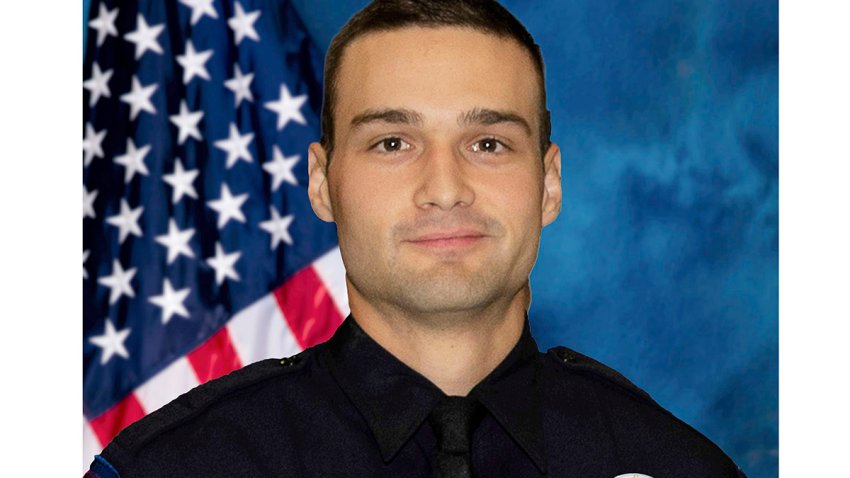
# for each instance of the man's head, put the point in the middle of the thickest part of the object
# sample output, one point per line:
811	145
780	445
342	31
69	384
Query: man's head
436	182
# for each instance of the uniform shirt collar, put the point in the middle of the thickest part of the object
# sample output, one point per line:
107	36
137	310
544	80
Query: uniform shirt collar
395	399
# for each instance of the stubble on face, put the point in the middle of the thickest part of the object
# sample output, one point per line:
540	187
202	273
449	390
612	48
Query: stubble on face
425	282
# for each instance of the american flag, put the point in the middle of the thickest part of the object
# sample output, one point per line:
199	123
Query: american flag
201	252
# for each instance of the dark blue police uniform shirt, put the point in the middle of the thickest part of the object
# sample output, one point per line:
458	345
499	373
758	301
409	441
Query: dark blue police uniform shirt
348	408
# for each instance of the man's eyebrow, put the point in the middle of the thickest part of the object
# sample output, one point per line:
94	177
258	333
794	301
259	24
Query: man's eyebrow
487	116
389	115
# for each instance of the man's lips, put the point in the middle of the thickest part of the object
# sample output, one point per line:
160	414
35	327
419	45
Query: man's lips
448	235
448	238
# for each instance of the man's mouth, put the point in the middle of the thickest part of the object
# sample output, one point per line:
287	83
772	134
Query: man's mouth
448	239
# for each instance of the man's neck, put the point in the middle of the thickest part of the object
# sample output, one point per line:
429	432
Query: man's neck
453	351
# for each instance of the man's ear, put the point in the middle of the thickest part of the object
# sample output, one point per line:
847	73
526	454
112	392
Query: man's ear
551	184
320	198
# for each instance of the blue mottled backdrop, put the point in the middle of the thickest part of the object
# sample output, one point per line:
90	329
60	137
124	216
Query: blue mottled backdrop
664	262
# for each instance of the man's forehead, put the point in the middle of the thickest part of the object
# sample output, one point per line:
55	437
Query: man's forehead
444	67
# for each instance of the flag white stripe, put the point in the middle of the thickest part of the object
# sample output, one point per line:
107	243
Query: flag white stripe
331	271
171	382
91	445
260	331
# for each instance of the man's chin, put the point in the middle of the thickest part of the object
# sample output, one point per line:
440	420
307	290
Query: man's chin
447	293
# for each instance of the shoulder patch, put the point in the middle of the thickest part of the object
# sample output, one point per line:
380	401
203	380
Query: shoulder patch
195	401
582	363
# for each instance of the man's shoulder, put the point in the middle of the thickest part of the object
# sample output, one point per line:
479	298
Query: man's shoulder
631	415
236	395
569	363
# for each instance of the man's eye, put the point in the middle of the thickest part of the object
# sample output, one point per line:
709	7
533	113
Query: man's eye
488	145
391	145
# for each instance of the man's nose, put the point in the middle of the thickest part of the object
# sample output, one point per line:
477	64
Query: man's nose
444	181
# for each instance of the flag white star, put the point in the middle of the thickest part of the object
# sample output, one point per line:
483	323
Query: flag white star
236	146
104	23
111	342
187	123
92	144
242	24
181	181
280	167
88	202
200	8
133	160
287	108
98	84
127	221
228	206
278	227
85	258
118	282
176	241
171	301
240	85
193	63
144	36
139	98
224	264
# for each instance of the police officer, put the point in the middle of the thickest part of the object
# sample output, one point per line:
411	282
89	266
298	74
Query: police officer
436	166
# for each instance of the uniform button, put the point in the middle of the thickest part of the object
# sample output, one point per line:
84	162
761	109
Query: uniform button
290	361
565	356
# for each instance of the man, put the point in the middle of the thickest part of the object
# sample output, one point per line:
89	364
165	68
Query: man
435	163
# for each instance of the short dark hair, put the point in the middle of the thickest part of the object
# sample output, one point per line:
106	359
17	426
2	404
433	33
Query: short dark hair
486	16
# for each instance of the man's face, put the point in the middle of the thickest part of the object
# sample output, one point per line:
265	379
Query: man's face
436	183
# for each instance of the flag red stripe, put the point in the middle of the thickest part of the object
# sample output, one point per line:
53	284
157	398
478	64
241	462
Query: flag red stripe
112	421
215	357
308	308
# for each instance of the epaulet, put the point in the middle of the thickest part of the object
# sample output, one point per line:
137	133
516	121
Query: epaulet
583	364
196	401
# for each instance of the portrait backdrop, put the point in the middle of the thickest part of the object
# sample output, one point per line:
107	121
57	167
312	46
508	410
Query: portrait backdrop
664	261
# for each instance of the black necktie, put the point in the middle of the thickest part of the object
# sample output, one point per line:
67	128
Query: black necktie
453	420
